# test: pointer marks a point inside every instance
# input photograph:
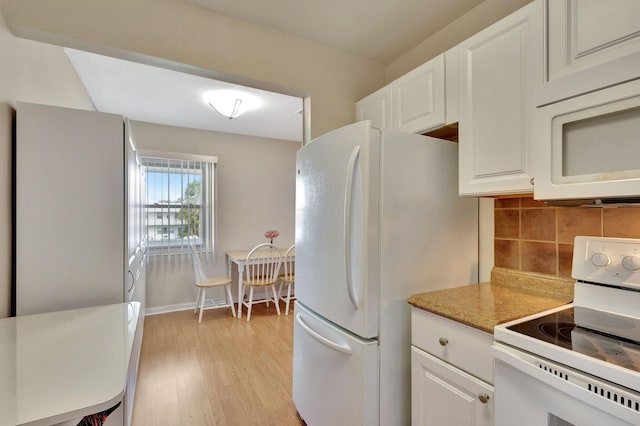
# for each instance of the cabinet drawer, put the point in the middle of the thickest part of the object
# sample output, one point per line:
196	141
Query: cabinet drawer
462	346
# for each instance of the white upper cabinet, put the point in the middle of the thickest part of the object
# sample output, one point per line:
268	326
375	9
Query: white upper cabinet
424	99
592	44
500	67
418	98
377	108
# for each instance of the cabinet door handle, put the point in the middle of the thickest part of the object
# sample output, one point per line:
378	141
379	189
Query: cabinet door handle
483	397
443	341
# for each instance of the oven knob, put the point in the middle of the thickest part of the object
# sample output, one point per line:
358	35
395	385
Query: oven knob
600	259
631	263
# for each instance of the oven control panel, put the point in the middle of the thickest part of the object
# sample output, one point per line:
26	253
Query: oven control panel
602	260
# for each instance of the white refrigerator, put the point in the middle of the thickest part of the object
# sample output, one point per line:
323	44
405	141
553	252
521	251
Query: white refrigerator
378	218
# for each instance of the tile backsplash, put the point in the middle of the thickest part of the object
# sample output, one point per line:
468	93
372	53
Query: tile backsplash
530	236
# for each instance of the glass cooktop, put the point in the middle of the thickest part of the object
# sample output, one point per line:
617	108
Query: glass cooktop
560	329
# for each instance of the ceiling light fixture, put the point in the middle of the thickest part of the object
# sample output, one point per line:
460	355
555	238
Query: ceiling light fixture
231	103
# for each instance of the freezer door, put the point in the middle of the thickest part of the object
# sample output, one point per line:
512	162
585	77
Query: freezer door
335	374
337	190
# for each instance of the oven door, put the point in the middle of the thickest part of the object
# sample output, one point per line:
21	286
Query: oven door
586	147
533	391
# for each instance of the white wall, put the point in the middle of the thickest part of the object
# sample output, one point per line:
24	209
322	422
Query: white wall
33	72
478	18
256	192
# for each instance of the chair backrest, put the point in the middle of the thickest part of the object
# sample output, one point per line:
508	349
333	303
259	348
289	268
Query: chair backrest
289	262
201	276
263	264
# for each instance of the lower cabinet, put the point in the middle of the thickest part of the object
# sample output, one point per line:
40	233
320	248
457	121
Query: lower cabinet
445	395
451	372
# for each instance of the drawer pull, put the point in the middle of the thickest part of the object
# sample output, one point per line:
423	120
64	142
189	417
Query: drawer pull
443	341
483	397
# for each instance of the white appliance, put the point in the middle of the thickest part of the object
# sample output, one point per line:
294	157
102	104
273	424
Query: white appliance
78	217
378	218
587	146
578	364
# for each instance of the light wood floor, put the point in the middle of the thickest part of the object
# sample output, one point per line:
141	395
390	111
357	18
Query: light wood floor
224	371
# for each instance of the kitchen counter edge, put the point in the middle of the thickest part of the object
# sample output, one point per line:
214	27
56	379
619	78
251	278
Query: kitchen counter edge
508	296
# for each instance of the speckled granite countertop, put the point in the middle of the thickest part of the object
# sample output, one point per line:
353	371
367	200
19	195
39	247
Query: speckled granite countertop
510	295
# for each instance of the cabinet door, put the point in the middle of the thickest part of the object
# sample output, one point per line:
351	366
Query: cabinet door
418	98
500	67
591	44
377	108
443	395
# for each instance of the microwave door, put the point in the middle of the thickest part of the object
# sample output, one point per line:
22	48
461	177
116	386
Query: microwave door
586	147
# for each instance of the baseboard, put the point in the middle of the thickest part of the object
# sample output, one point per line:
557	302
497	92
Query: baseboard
156	310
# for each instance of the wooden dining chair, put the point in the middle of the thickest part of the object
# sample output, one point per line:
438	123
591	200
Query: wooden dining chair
261	271
203	283
287	278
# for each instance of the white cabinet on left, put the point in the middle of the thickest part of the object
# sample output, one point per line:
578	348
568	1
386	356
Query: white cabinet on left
75	209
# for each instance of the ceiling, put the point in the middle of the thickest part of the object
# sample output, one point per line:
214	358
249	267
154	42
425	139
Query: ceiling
381	30
158	95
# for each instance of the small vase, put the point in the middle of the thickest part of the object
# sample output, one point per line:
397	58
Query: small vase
271	240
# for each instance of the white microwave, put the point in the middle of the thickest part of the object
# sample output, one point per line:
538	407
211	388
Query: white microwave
588	147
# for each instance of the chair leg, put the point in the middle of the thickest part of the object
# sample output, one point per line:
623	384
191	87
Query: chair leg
230	300
288	298
275	298
204	293
195	309
240	302
250	303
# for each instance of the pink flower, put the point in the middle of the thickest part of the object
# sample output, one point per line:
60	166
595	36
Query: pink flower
271	234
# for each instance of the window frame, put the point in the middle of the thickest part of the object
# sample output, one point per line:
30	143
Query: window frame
207	207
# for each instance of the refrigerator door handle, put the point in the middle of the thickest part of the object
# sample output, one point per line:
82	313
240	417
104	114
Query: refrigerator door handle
133	281
345	349
347	224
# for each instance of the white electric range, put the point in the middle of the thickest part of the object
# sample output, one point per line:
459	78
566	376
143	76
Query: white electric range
578	364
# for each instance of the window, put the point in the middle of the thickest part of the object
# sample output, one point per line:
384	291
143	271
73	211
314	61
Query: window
179	203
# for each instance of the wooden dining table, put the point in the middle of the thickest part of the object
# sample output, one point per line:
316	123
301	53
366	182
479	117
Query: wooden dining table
239	257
